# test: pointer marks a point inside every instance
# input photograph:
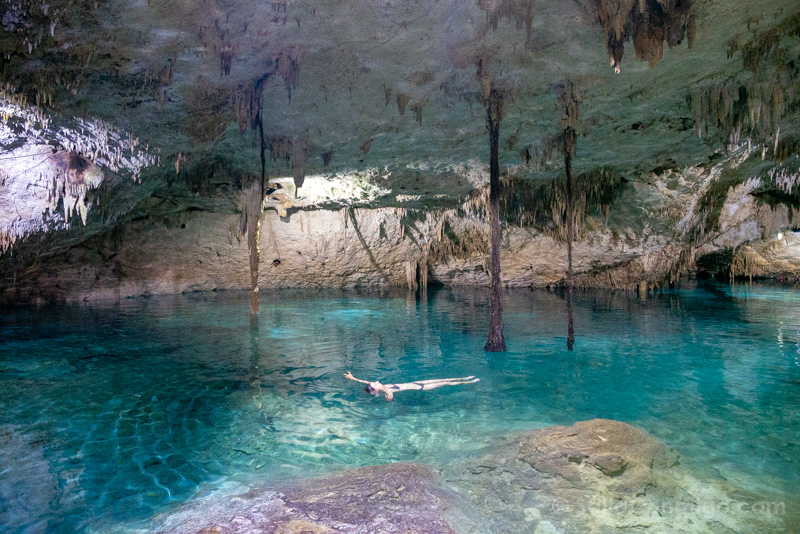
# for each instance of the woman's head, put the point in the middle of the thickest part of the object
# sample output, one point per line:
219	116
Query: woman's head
373	388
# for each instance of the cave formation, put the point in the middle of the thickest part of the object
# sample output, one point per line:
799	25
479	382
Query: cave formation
173	118
167	166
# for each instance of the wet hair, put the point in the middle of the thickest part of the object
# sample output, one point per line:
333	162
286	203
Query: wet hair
371	390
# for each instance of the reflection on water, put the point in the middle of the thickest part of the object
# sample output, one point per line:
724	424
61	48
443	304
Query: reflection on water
111	414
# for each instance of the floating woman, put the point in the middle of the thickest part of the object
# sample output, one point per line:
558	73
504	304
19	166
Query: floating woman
376	388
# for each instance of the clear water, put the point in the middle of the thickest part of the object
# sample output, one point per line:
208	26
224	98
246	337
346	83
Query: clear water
112	414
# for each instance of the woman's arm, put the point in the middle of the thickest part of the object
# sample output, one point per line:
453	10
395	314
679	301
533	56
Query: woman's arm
349	376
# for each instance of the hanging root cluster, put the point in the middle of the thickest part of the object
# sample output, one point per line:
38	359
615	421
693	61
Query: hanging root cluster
649	23
542	204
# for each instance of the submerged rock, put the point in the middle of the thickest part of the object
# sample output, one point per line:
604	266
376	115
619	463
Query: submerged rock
594	476
601	476
614	455
395	498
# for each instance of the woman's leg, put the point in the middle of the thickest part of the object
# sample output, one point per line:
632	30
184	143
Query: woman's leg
433	384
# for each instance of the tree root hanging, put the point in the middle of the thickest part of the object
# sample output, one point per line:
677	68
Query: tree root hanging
494	114
570	98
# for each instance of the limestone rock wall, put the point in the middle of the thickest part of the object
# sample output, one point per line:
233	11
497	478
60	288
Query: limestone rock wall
383	247
656	229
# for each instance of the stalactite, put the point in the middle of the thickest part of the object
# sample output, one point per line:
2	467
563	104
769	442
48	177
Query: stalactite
519	11
569	148
402	101
422	270
417	108
778	186
262	153
287	65
252	199
280	148
327	157
225	60
753	107
648	23
299	162
747	262
411	274
29	37
542	203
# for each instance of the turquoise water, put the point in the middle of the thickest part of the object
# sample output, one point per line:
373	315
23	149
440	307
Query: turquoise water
111	414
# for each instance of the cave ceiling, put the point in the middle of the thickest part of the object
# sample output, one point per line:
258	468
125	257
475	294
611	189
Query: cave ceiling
392	92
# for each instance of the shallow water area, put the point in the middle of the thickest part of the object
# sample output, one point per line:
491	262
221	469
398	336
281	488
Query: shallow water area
113	413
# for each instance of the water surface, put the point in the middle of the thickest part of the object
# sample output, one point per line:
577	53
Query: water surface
112	413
